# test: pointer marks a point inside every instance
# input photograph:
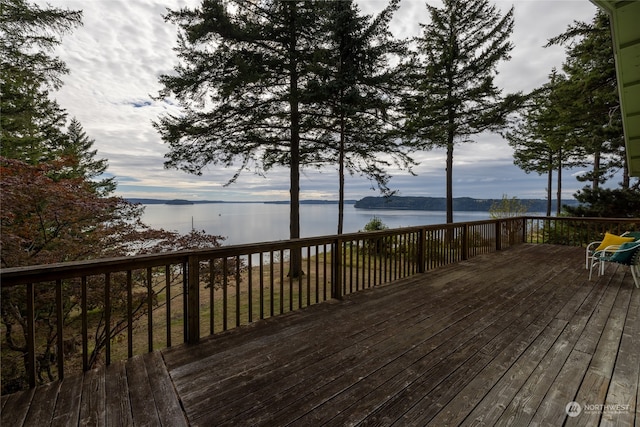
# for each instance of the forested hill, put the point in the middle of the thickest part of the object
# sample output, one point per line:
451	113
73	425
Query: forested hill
440	203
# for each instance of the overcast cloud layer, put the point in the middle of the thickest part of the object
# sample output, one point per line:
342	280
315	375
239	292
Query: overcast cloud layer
116	57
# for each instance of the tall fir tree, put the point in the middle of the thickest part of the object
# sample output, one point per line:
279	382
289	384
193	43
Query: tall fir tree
453	95
78	147
541	137
243	87
590	104
32	123
356	91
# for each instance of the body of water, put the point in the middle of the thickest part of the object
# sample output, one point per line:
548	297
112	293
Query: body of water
259	222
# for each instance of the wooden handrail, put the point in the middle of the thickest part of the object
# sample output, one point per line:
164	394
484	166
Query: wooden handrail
252	281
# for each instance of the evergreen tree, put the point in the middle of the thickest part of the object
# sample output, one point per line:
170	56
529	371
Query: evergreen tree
78	147
607	202
454	96
590	103
356	91
242	85
540	137
32	123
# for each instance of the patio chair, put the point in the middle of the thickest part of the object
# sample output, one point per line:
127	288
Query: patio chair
626	254
608	240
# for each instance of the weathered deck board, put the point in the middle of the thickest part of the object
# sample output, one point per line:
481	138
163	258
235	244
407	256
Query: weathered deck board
502	339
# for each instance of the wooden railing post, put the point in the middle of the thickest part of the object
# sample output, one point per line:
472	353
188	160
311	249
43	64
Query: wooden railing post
421	250
185	300
498	235
193	300
465	242
336	269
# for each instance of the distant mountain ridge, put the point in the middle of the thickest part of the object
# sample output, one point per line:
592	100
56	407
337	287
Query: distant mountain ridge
144	201
440	203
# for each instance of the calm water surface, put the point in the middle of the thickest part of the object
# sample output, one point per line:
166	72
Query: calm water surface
258	222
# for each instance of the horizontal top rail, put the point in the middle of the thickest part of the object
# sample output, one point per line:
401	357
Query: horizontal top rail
49	272
114	309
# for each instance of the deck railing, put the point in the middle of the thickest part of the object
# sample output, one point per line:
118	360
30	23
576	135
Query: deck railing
74	316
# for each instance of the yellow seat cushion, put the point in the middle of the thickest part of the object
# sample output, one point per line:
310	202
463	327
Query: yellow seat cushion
612	239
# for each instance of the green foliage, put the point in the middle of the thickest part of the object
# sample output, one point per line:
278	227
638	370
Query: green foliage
507	208
607	203
242	86
588	99
78	147
32	124
356	90
540	136
380	245
452	95
375	224
54	205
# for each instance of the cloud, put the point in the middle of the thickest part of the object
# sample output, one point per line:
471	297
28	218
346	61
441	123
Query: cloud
124	46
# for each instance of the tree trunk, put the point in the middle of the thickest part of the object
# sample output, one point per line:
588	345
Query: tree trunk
450	180
596	171
549	184
341	178
295	268
559	206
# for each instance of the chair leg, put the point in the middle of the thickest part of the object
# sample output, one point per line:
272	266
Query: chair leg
635	273
593	264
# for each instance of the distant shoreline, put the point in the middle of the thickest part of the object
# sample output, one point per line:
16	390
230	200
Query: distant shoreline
460	204
438	204
144	201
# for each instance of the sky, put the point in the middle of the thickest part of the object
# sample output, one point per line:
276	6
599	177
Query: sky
116	57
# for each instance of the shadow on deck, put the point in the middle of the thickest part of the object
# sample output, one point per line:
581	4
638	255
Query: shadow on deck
509	338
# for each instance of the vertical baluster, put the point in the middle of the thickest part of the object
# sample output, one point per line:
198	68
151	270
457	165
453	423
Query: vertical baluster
85	324
324	272
308	275
237	290
384	260
250	287
336	269
224	293
167	284
31	335
282	284
367	245
358	265
212	290
317	273
272	284
107	317
299	279
375	261
129	314
59	330
185	308
261	285
344	267
150	309
397	244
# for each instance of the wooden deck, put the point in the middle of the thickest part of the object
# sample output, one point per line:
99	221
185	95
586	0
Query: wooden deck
502	339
